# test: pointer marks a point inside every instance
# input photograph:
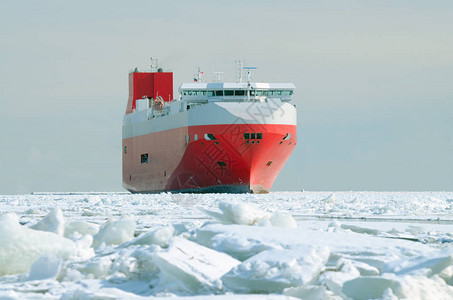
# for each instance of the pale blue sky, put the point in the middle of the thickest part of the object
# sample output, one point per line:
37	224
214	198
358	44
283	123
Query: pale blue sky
374	85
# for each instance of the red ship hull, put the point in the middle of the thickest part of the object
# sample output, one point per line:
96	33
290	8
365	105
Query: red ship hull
209	141
228	164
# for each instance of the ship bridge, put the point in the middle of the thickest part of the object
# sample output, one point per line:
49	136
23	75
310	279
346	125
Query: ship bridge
235	92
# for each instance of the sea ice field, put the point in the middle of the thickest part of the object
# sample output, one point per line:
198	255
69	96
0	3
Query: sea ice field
282	245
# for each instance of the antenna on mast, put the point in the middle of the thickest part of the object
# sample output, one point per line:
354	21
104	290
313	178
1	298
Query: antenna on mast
154	64
240	65
249	77
199	76
249	72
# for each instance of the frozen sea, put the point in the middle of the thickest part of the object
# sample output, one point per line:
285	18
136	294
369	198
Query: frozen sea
283	245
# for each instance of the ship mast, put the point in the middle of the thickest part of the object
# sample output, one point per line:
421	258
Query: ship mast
240	66
249	77
198	76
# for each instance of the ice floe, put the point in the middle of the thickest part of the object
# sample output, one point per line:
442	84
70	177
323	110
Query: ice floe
21	246
272	271
115	232
321	245
53	222
197	267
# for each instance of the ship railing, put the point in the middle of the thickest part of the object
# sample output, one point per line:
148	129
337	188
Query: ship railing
204	100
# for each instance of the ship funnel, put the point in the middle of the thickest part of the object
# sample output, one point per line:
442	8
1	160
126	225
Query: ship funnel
150	84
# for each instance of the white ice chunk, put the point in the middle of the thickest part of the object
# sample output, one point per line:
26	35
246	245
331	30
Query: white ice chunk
365	269
359	229
406	287
53	222
45	267
329	200
196	266
426	265
33	211
306	292
83	244
115	232
273	270
368	287
81	227
240	247
283	220
375	251
92	199
244	214
158	236
419	287
146	268
98	267
21	246
415	230
447	275
238	213
334	280
334	224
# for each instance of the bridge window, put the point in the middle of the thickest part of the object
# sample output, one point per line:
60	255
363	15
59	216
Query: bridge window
239	92
210	93
144	158
259	136
219	93
246	136
229	92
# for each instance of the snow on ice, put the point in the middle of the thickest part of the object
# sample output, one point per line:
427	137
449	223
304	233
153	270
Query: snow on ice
345	245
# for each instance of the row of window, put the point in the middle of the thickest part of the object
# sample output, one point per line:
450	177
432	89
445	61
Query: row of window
252	136
221	93
211	137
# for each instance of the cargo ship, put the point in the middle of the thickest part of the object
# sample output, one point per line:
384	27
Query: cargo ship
215	137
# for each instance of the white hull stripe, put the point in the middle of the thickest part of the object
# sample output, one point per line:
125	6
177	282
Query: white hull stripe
218	113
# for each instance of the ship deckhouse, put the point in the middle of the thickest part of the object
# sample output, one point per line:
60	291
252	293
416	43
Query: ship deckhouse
235	92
